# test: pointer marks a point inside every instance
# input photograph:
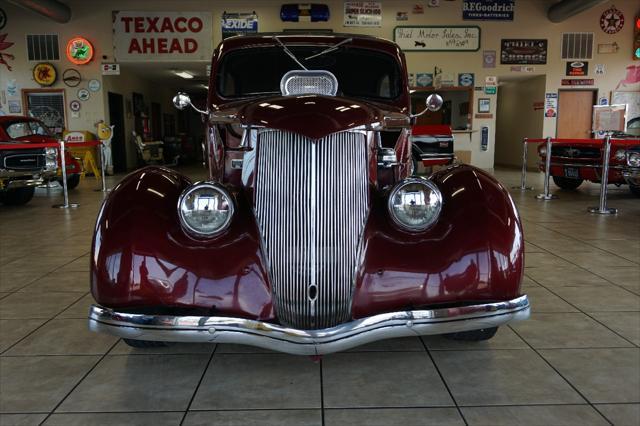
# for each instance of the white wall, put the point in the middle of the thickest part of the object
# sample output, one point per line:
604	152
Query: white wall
92	19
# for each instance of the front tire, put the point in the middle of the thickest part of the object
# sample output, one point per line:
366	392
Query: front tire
635	190
567	183
473	335
18	196
72	181
145	344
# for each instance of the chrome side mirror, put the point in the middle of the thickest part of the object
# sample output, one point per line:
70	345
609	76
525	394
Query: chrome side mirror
182	100
434	102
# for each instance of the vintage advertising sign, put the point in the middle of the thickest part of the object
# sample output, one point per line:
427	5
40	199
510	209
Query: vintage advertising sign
424	79
79	51
577	82
611	20
488	10
162	36
45	74
362	14
466	79
523	51
551	105
110	69
437	38
238	24
489	58
577	69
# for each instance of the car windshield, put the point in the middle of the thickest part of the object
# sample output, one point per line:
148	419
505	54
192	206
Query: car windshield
361	73
23	129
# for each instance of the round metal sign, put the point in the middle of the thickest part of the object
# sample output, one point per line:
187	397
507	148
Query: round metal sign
71	77
79	50
94	85
75	106
83	94
45	74
612	20
3	18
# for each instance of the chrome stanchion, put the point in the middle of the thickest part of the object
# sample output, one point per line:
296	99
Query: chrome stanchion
523	178
65	191
604	181
103	176
547	172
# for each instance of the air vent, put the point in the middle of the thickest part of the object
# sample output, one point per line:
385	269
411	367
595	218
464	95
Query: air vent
43	47
577	46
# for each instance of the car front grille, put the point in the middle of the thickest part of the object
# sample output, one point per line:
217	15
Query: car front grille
575	152
311	203
21	160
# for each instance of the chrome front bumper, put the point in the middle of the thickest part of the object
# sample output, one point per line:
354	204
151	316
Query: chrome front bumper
632	176
306	342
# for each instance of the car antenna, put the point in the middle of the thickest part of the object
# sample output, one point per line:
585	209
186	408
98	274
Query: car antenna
288	52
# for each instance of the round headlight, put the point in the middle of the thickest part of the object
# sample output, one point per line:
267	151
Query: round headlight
415	204
205	209
620	155
543	151
633	159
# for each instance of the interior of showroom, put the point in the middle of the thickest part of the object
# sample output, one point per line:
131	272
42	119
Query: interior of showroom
474	260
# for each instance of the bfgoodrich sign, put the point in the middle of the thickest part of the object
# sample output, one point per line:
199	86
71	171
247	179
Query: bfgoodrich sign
488	10
162	36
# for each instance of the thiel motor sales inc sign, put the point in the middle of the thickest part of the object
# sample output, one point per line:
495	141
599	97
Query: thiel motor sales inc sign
162	36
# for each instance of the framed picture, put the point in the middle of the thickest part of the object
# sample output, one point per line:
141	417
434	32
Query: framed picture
484	105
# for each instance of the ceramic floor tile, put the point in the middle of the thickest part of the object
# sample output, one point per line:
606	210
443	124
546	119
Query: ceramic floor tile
407	379
12	281
542	300
259	381
596	259
497	378
544	260
598	299
30	305
570	276
404	344
11	331
228	348
64	337
627	324
115	419
138	383
21	419
561	330
505	338
77	282
522	415
393	416
38	384
254	418
79	309
621	414
601	375
172	349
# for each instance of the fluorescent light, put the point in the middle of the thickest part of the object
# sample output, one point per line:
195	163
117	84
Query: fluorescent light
184	74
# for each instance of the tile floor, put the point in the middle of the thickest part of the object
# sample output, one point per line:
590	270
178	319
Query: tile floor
575	362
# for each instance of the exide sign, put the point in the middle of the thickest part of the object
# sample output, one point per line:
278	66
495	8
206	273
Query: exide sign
162	36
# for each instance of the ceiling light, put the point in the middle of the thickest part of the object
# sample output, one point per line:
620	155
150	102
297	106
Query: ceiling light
184	74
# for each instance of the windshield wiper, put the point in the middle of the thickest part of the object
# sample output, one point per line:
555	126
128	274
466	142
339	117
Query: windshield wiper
288	52
329	49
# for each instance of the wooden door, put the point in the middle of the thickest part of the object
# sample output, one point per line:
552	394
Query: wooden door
575	113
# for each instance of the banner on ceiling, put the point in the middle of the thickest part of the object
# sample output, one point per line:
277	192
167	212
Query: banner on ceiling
162	36
488	10
362	14
238	24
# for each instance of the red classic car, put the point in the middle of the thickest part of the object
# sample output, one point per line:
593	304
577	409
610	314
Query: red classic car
573	162
22	169
309	236
29	129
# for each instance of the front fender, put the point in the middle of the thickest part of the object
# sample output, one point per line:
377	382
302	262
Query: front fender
474	252
141	257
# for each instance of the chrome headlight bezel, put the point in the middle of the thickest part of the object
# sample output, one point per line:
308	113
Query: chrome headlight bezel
51	158
620	155
428	184
199	233
633	159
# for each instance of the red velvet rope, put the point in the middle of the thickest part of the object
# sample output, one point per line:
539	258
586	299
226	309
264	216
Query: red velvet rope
587	141
70	145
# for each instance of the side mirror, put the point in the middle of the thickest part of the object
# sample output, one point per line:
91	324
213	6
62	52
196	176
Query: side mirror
434	102
181	101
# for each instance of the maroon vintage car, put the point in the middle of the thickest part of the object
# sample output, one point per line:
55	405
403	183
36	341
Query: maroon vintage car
30	129
574	161
309	235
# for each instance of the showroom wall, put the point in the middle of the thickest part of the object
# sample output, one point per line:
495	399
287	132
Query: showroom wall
94	21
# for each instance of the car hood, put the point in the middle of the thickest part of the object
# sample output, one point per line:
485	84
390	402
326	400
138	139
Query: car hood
313	116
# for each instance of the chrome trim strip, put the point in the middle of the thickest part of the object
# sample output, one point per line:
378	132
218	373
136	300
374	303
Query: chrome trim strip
595	166
307	342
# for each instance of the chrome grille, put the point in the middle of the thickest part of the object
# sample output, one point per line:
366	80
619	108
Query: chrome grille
311	202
